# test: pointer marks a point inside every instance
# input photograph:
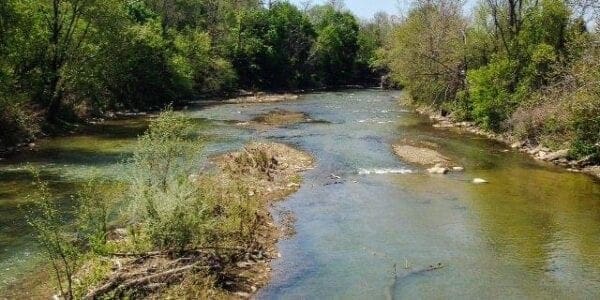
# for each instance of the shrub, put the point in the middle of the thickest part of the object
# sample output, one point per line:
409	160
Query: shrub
168	206
586	125
490	92
96	208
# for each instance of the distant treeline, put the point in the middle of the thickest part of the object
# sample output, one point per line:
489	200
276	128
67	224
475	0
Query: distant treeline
60	59
527	68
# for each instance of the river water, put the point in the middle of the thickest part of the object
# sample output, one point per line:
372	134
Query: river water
532	232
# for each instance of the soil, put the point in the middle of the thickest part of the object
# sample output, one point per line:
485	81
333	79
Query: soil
273	170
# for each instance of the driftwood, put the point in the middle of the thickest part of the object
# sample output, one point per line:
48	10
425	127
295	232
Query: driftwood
105	288
391	290
167	252
121	283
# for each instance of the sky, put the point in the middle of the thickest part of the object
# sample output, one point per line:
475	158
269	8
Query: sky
366	8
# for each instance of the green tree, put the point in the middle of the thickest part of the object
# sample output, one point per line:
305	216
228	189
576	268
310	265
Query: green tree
337	47
273	47
426	51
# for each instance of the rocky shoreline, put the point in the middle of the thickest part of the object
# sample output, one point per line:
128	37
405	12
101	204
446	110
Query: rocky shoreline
538	152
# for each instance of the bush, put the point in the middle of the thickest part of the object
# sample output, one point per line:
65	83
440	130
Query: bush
586	125
163	202
96	208
490	92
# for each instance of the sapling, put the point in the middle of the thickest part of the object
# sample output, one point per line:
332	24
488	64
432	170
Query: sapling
58	243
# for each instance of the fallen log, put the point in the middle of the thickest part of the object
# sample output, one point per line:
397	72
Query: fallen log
119	284
166	252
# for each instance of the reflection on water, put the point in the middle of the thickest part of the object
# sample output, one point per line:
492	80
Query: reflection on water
533	231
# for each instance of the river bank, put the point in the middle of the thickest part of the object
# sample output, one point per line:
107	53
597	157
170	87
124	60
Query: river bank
538	152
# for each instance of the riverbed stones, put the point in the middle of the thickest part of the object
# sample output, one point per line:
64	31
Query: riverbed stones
263	98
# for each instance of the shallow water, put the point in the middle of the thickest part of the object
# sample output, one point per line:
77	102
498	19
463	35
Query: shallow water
66	163
532	232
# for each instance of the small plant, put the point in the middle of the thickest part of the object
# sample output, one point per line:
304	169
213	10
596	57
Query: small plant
94	209
58	243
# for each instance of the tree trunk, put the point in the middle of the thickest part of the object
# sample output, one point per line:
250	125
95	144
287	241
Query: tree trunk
54	106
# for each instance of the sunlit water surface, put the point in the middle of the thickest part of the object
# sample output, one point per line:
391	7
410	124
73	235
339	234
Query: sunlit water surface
532	232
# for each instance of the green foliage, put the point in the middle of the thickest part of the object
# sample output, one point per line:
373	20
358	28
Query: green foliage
273	47
489	88
336	47
425	53
530	66
583	106
95	209
17	123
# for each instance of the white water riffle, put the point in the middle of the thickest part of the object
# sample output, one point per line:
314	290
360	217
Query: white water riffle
380	171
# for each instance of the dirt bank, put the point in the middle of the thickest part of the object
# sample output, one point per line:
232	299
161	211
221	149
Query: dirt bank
271	171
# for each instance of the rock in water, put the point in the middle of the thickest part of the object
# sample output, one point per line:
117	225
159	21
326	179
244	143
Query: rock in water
479	181
438	169
458	169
